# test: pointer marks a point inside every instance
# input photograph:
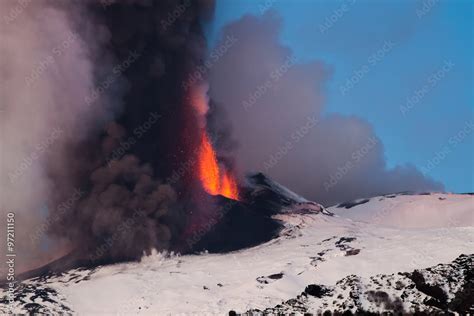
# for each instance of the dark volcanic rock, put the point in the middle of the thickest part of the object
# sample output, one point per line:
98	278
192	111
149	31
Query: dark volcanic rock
351	204
241	226
316	290
249	222
352	252
270	278
437	295
422	291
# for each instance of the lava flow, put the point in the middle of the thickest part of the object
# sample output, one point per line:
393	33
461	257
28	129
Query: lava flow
214	180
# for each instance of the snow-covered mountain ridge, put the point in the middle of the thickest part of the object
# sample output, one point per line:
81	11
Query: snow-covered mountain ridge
320	262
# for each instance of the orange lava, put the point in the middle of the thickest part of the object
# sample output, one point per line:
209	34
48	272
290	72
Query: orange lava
229	187
213	180
208	167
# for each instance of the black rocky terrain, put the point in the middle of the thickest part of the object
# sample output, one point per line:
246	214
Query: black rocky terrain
443	289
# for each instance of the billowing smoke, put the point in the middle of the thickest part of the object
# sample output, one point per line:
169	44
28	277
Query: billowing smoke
45	72
95	121
275	104
99	137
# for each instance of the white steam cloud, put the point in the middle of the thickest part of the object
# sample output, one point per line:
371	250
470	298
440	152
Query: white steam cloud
275	105
45	72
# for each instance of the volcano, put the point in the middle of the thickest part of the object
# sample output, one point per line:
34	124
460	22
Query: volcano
279	253
127	186
235	225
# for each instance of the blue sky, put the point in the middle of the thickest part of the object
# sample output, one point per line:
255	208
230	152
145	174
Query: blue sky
416	60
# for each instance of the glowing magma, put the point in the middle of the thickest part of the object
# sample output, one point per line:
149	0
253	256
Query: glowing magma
214	180
229	186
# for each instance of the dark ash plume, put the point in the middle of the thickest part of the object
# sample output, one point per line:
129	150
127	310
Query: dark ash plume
108	75
129	209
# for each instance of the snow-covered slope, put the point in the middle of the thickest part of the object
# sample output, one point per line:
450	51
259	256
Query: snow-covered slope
412	211
338	262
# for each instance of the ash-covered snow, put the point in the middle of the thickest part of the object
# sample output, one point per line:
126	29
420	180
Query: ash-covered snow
319	262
